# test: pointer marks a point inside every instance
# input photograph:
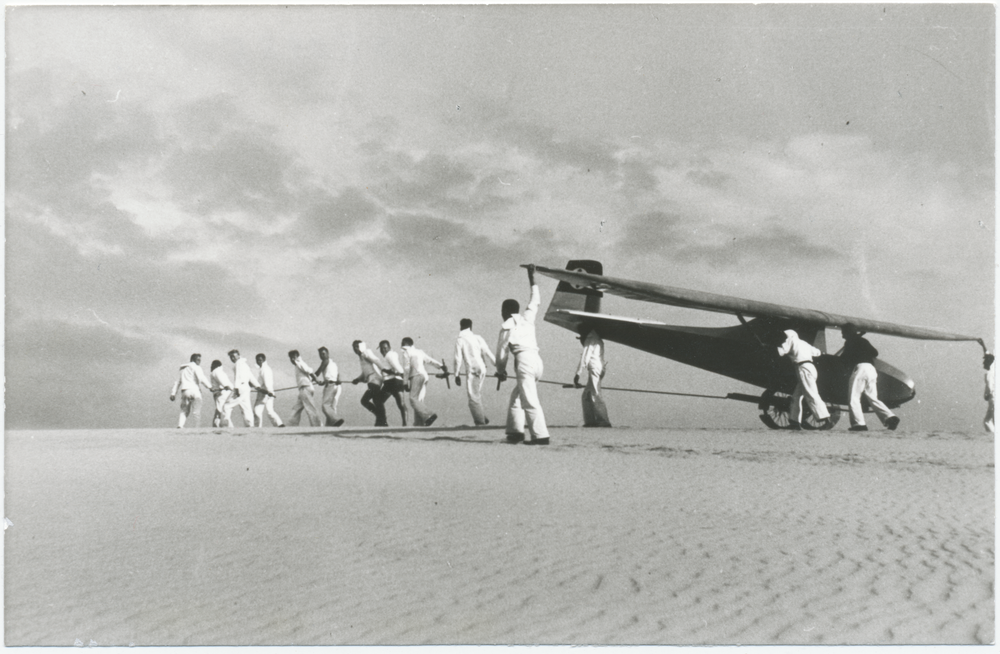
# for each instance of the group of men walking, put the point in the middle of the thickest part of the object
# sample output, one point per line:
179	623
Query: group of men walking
403	376
229	395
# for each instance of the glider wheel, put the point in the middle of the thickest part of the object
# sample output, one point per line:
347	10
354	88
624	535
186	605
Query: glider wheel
776	415
774	410
809	421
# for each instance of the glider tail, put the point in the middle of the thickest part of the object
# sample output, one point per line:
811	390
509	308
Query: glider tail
572	298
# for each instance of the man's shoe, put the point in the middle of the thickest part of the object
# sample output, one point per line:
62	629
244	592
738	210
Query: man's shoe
486	421
537	441
826	424
515	438
892	423
338	422
281	425
858	428
430	421
794	426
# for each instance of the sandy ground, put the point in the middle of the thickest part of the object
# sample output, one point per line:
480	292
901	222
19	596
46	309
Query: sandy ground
617	536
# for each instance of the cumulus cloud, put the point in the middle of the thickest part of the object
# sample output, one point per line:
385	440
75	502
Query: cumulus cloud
61	374
49	275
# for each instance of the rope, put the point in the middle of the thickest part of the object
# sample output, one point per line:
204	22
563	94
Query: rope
642	390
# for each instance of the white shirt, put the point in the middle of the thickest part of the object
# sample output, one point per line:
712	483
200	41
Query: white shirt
303	373
990	382
191	374
394	364
220	379
371	366
593	353
796	349
243	376
414	360
470	350
517	333
267	377
329	372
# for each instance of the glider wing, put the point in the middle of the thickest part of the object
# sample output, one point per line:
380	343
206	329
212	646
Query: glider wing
680	297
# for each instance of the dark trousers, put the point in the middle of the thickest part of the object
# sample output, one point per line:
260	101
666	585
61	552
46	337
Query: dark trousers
374	400
395	388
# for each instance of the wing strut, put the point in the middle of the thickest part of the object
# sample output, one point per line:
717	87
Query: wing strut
750	329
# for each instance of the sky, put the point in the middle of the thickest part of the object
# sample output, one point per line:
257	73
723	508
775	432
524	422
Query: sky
194	179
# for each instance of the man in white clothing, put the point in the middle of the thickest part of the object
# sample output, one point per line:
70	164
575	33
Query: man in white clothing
991	383
243	381
371	373
265	394
393	375
222	388
592	364
304	378
414	363
517	337
328	377
471	351
801	354
188	384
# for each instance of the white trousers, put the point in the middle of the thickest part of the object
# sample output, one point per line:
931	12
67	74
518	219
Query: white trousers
474	389
331	397
595	412
864	381
988	419
524	401
265	402
190	408
218	420
807	388
304	402
243	402
418	391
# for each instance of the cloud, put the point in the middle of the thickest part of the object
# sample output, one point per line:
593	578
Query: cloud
241	171
325	217
652	232
545	142
66	375
60	137
776	246
435	244
46	273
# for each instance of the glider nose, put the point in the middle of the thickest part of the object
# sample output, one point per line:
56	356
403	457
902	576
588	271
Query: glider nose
894	386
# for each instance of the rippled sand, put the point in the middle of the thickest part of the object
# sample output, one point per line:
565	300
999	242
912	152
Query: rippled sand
617	536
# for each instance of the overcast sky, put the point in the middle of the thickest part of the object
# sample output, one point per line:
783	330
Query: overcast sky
184	179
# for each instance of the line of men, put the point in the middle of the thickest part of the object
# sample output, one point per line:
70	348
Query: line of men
392	375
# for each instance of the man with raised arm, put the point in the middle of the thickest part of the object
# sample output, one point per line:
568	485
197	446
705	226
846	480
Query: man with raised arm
265	394
188	384
990	388
517	338
471	351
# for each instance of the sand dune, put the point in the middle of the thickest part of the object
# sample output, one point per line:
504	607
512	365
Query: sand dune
168	537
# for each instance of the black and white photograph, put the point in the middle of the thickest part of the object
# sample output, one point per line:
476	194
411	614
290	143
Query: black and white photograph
499	325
